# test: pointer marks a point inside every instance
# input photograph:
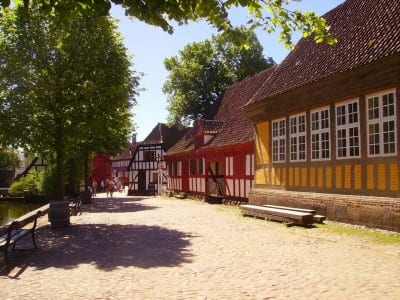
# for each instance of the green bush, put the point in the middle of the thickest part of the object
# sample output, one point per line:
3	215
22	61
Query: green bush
27	185
48	182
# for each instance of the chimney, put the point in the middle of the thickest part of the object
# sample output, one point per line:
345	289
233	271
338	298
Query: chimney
133	138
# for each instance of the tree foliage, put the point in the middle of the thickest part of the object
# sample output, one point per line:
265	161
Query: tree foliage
202	71
63	89
8	159
271	15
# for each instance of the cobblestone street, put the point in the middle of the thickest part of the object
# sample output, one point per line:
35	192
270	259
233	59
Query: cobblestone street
164	248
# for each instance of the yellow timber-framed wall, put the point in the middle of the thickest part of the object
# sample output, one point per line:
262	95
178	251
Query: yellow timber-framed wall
361	190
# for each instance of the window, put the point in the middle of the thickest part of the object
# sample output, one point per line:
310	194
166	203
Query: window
279	140
196	166
381	120
154	178
320	137
200	166
174	168
192	167
298	137
348	129
149	155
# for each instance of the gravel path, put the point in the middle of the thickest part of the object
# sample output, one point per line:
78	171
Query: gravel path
162	248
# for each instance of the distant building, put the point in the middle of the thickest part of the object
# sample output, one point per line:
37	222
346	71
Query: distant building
102	168
147	174
120	162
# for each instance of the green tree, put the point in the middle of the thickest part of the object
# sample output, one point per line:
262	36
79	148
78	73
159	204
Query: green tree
63	89
271	15
8	159
8	162
202	71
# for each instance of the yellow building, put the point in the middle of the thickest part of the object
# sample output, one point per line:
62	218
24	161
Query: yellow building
327	120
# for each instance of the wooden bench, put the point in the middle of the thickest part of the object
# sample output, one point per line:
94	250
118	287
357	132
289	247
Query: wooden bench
316	218
75	206
15	230
290	217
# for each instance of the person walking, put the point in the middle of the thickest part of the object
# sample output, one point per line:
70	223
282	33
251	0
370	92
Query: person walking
94	188
111	187
107	187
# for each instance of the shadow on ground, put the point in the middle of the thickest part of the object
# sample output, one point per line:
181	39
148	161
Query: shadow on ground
116	205
106	246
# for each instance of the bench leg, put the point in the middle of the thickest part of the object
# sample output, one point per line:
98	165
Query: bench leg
34	240
6	259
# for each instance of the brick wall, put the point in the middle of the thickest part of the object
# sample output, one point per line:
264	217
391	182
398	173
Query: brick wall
377	212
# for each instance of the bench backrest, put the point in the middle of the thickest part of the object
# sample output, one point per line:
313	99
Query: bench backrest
4	228
26	220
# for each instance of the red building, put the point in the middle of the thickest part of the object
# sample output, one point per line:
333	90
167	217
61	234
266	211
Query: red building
215	159
101	168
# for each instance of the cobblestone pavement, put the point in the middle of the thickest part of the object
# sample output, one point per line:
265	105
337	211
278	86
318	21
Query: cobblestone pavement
164	248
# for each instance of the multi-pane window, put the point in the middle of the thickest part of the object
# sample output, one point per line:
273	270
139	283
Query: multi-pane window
381	118
348	129
192	167
298	137
320	137
229	166
196	166
200	166
279	140
149	155
174	168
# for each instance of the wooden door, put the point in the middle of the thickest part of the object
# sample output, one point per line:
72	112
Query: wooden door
142	181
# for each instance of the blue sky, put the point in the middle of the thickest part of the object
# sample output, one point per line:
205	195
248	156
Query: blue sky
150	45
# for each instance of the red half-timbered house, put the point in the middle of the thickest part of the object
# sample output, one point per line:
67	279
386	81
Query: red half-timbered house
215	159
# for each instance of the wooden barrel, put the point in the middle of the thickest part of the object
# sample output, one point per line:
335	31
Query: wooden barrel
59	214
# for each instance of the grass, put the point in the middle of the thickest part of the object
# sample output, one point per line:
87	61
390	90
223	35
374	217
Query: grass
377	235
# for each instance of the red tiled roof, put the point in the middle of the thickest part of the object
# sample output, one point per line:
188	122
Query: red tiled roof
366	30
230	125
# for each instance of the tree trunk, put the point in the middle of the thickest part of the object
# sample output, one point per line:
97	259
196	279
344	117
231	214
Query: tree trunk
59	210
86	169
60	162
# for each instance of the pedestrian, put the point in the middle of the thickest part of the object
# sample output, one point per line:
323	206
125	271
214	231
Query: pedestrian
102	186
107	187
94	188
111	187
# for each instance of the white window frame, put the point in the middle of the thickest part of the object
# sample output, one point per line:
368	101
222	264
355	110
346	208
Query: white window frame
229	165
348	122
278	140
320	130
377	117
298	137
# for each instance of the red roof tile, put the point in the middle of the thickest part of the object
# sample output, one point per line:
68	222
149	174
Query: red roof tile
367	30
